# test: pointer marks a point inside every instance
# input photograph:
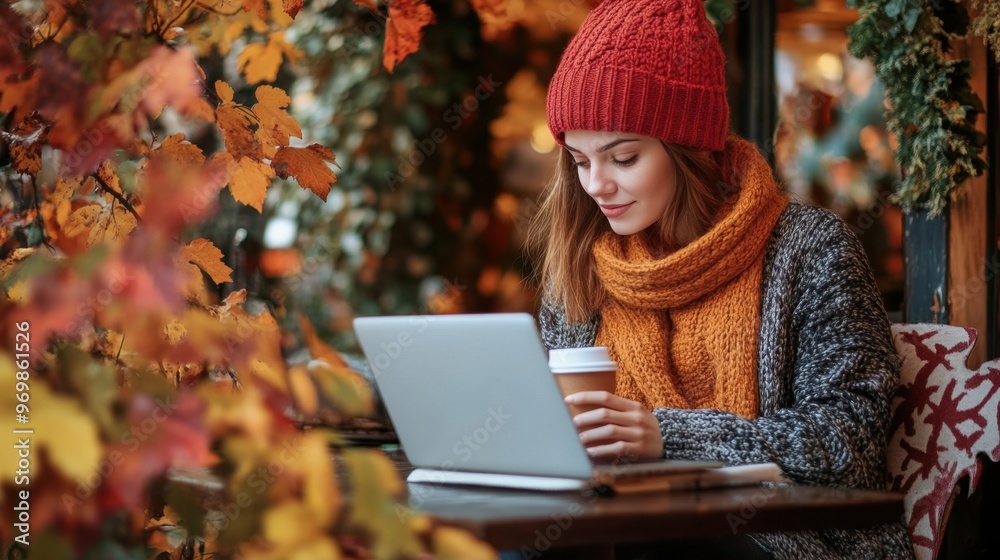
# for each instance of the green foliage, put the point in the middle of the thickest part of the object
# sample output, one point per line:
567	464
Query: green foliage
411	173
987	24
933	109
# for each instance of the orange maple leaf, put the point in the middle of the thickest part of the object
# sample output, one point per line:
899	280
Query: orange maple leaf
176	151
404	28
198	108
248	179
106	171
276	125
235	122
291	7
224	91
105	222
208	257
260	62
308	166
55	209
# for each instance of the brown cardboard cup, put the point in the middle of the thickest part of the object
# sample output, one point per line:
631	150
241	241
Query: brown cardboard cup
583	369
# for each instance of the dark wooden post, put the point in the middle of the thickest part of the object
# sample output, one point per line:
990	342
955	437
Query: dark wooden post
993	213
925	252
758	104
971	241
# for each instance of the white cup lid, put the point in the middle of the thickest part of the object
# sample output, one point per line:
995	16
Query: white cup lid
580	360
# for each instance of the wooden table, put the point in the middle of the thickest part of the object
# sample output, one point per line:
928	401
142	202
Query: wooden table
578	521
584	525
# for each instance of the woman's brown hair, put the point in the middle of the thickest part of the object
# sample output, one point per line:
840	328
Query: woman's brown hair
568	222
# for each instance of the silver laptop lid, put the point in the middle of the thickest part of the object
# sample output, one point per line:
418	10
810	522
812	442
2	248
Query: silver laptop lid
473	393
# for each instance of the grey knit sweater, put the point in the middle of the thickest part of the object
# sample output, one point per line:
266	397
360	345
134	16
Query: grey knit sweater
827	370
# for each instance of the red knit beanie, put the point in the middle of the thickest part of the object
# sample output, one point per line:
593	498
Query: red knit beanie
650	67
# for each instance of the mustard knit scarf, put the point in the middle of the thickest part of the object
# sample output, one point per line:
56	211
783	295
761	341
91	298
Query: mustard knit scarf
684	328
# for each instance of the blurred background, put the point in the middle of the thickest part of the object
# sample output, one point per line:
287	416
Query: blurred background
442	162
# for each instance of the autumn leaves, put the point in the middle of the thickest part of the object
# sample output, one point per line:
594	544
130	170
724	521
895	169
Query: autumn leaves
263	132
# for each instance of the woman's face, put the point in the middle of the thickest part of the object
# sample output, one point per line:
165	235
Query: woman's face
631	177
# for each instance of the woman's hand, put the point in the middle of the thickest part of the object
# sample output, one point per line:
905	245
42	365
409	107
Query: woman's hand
618	427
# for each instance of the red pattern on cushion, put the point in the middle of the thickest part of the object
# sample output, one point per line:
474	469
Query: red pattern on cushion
942	424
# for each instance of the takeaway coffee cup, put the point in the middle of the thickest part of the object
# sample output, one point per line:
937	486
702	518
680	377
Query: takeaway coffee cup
583	369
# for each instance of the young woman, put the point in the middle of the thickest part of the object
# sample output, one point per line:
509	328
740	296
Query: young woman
746	328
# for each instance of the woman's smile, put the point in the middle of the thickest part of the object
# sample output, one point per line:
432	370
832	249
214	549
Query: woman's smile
615	210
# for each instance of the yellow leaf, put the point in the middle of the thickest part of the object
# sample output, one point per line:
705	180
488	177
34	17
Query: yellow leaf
373	476
176	151
275	122
65	188
19	292
266	371
175	331
303	391
404	28
199	109
120	225
317	348
61	427
106	171
320	548
345	388
244	413
290	523
308	166
260	62
224	90
83	219
103	222
208	257
26	158
451	543
235	123
267	146
248	180
189	278
14	259
319	490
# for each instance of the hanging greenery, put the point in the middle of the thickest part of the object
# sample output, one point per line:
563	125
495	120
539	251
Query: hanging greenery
933	110
988	23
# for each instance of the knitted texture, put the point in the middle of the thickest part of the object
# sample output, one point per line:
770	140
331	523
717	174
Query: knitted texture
826	373
654	68
683	328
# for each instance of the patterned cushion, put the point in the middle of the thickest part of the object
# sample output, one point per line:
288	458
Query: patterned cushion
945	419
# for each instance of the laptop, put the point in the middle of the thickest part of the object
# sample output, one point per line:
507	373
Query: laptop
473	402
